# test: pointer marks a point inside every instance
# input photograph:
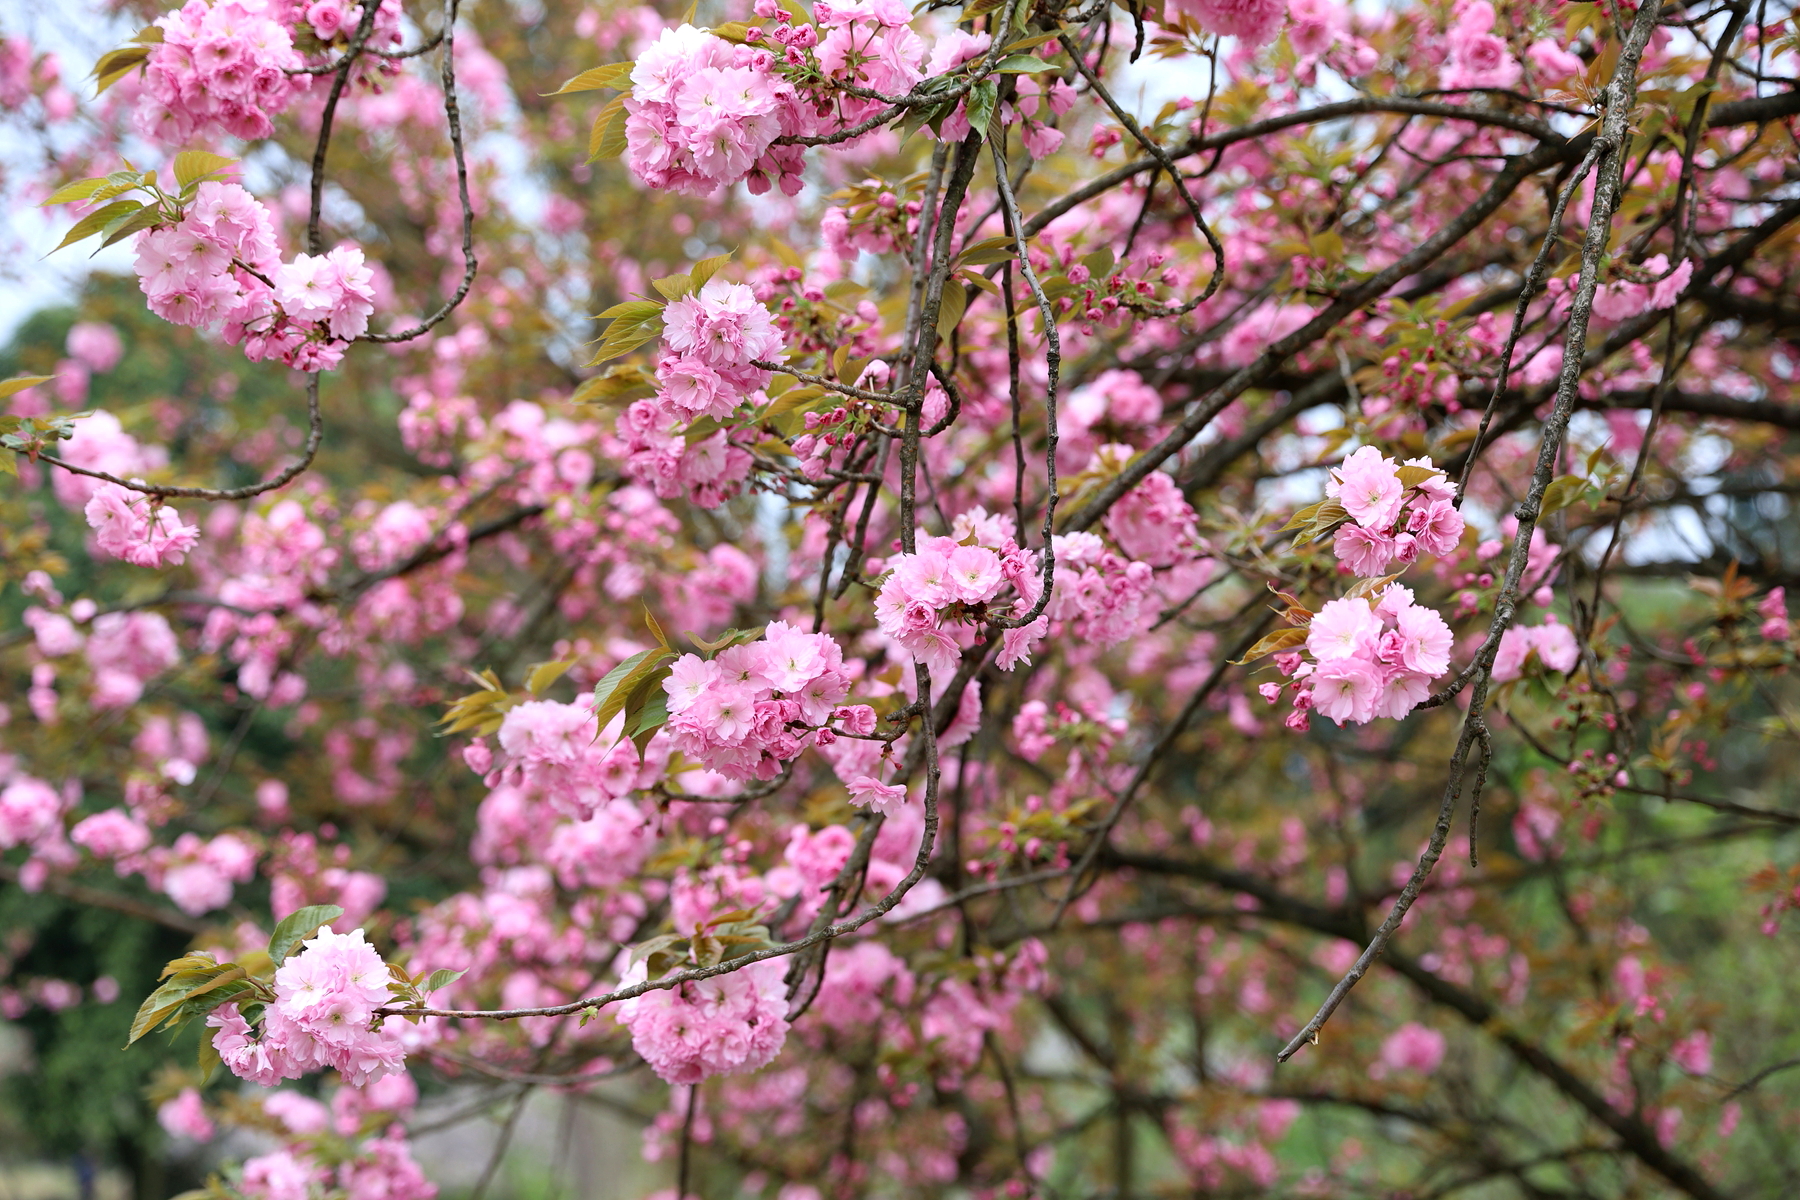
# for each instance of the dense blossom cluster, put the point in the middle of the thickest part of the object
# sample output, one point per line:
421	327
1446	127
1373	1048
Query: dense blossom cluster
1253	21
552	752
719	1026
226	67
1478	58
703	114
1100	594
325	1002
259	726
1389	522
757	705
1370	657
134	527
232	66
934	600
714	336
220	266
196	874
353	1147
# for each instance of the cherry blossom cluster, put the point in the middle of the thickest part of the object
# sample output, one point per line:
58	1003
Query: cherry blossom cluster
134	527
384	1167
703	113
318	1147
1254	22
220	265
332	22
232	66
759	704
1099	593
1391	522
1368	659
933	600
552	754
1478	58
1772	608
869	44
713	338
197	875
220	68
324	1007
1153	522
1553	643
1625	298
720	1026
31	815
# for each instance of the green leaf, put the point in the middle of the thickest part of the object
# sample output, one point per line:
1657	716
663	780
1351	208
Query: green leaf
979	282
612	75
632	691
114	65
611	680
1412	477
662	944
656	629
201	961
790	400
1562	492
986	251
1593	459
14	386
982	99
191	166
209	1060
607	139
614	692
633	310
734	32
652	717
481	711
167	998
923	115
623	336
545	674
297	926
673	287
139	221
951	308
97	220
81	189
1281	639
706	268
440	978
1033	42
1023	64
619	384
210	995
731	637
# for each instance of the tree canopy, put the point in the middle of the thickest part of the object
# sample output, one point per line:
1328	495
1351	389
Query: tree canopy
1027	599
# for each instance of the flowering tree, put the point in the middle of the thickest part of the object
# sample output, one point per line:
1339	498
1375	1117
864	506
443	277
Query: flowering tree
1003	639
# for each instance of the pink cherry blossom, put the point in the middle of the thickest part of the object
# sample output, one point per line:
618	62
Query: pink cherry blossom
1413	1049
1254	21
719	1026
1368	486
